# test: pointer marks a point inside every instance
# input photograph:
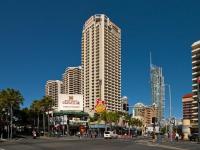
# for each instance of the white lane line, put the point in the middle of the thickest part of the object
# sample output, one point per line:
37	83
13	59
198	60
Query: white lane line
2	149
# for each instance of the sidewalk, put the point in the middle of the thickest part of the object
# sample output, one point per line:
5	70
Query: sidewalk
165	143
38	139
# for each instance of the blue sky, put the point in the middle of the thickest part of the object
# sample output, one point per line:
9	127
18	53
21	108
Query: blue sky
40	38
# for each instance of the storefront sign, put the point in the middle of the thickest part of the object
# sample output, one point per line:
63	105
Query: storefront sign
70	102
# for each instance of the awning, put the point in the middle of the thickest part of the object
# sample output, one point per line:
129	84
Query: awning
79	113
97	126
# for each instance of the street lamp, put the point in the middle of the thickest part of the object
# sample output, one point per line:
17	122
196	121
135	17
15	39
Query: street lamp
62	119
11	119
43	110
170	111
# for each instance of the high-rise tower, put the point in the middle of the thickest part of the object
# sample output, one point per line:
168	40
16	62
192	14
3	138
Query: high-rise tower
101	63
53	88
195	76
157	89
72	80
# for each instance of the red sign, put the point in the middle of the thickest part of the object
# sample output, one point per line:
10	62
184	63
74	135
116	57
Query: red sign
100	106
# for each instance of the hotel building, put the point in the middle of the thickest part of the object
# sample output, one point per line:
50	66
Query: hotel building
101	63
72	80
53	88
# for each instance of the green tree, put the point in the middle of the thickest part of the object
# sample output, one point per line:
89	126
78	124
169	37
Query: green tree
109	118
46	106
36	108
10	99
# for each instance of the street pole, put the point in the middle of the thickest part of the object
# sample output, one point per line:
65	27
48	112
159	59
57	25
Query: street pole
67	126
48	122
43	122
11	120
8	124
63	124
38	121
170	112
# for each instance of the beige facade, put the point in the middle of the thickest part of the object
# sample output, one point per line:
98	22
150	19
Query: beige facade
72	80
146	113
101	63
53	88
195	75
187	106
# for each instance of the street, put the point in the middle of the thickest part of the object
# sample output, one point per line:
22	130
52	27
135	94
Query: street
97	144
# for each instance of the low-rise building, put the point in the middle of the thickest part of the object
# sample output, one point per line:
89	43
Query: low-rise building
187	106
145	113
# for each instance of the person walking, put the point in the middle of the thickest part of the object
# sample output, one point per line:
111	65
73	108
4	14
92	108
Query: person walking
34	134
153	137
177	136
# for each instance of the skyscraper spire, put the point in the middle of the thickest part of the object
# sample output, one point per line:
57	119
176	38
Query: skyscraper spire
150	60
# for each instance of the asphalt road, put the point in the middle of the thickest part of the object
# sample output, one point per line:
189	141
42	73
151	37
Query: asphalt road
95	144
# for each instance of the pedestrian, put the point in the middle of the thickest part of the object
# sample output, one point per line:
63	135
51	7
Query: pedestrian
153	137
176	136
34	134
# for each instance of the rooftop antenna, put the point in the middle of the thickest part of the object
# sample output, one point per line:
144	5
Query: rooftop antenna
150	61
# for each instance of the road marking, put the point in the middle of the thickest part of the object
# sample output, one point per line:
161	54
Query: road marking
2	149
166	146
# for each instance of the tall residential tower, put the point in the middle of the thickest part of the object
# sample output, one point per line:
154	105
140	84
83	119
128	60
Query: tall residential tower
72	80
195	75
101	63
53	88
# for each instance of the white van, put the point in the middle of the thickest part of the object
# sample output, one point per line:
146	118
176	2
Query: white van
110	135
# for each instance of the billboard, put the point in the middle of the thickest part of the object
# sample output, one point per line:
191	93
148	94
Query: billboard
70	102
100	106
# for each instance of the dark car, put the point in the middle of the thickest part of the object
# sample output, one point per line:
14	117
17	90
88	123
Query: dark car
194	137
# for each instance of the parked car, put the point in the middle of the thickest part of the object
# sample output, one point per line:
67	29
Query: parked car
110	135
194	137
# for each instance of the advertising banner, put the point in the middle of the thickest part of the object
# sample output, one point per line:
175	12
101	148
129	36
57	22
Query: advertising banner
70	102
100	106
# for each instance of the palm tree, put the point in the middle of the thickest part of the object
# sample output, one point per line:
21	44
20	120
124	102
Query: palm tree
47	104
128	122
11	99
104	117
36	108
109	118
115	118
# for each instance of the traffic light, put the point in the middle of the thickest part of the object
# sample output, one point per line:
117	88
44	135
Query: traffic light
127	107
124	106
154	120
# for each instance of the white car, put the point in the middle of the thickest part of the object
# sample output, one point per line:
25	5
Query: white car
110	135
